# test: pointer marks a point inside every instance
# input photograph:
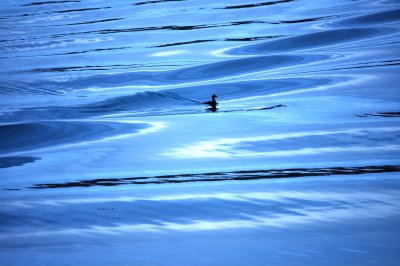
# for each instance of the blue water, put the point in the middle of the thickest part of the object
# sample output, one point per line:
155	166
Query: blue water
106	145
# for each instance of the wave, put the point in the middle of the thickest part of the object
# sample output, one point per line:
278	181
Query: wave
383	17
187	100
6	162
38	135
146	103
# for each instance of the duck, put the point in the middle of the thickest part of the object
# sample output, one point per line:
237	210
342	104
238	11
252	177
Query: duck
213	103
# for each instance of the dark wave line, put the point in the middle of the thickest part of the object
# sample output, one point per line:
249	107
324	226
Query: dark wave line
104	67
382	114
56	12
249	39
70	53
265	108
51	2
92	50
79	10
154	28
245	39
181	43
88	22
151	28
248	110
156	2
379	62
304	20
224	176
256	4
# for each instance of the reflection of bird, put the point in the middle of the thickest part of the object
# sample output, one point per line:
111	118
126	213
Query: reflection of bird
213	103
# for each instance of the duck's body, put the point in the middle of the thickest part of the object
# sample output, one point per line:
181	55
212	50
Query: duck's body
213	103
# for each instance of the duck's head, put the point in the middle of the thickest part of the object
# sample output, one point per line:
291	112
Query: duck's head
214	96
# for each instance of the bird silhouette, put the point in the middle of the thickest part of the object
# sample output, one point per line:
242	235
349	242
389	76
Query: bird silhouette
213	103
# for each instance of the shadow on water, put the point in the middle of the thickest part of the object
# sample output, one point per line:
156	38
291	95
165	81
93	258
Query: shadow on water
224	176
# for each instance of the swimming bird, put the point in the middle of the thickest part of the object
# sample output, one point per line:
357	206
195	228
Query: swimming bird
213	103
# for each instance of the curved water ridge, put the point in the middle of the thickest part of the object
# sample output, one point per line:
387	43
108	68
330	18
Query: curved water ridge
317	40
37	135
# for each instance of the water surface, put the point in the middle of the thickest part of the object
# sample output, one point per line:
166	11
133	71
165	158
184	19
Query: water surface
108	156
